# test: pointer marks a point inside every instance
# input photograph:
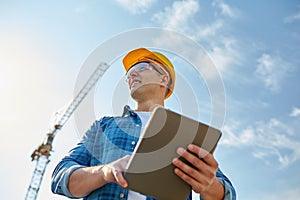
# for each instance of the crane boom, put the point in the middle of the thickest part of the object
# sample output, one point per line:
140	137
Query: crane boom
43	152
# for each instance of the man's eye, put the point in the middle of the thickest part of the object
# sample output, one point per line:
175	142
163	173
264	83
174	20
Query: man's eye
143	67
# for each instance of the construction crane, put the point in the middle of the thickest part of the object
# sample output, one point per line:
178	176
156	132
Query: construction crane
42	154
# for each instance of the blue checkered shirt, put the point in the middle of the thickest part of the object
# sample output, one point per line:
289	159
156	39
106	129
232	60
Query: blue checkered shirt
108	140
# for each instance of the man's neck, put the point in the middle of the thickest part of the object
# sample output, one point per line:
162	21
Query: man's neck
148	105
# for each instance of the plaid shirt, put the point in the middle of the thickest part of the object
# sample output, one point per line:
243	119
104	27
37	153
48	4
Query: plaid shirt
108	140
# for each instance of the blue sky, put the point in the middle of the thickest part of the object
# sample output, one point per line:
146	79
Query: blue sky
254	46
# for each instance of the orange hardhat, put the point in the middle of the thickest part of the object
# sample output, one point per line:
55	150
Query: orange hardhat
141	54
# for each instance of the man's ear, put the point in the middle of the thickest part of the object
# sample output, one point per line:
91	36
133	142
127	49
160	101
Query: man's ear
165	80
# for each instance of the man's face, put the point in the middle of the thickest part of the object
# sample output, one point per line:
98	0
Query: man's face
145	77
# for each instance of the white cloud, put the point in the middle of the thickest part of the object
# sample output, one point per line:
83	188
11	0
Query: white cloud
223	50
177	16
272	70
232	139
292	18
210	30
295	112
272	139
225	9
225	54
136	6
191	52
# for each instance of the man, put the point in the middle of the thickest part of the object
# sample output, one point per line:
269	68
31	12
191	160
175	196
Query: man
93	169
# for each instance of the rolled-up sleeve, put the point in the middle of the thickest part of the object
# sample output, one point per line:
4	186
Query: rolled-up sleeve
61	178
229	190
78	157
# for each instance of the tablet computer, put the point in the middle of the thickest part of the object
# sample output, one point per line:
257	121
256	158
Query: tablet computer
150	170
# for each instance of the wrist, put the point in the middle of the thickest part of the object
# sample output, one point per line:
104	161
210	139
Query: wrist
215	191
98	171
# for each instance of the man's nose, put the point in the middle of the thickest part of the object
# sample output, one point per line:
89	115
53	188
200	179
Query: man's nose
133	73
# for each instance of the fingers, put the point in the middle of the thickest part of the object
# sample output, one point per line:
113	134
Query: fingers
183	175
195	179
122	162
120	178
201	153
203	172
185	172
197	153
115	169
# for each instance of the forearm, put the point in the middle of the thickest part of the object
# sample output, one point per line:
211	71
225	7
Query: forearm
216	191
84	180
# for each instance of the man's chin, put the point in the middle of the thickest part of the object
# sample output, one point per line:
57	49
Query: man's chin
136	92
133	92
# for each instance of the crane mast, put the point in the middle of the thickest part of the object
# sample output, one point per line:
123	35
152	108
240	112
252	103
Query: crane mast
42	154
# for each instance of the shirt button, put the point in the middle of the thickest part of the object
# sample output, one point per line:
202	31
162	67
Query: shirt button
122	195
137	125
133	143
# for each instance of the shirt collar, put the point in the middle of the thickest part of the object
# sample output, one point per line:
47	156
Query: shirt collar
127	111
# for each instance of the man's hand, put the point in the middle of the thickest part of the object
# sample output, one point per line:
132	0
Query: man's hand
112	172
84	180
202	177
